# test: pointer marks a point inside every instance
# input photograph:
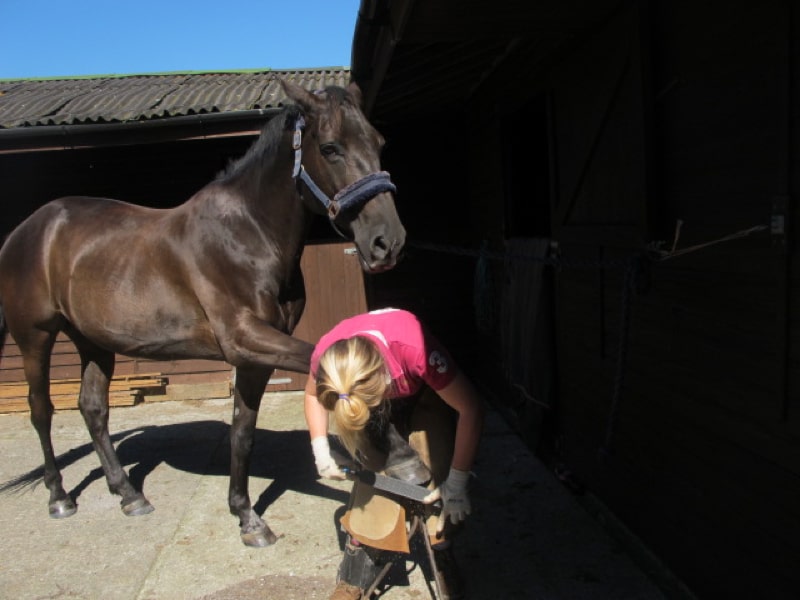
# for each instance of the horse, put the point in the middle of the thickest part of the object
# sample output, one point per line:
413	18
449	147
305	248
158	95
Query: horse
217	277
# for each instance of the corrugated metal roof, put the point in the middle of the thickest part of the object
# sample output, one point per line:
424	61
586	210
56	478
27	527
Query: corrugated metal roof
118	99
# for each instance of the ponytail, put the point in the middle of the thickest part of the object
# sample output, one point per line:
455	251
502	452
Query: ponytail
352	380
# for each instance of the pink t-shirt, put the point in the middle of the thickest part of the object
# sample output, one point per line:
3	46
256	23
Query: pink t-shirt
414	356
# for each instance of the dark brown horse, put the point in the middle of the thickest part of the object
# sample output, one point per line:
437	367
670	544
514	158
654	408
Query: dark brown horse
217	277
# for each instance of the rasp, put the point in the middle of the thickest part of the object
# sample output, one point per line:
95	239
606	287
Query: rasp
389	484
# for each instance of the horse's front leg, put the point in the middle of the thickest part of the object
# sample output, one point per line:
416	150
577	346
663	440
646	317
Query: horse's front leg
250	341
248	390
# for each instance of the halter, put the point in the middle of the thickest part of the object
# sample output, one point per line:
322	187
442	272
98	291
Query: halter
352	196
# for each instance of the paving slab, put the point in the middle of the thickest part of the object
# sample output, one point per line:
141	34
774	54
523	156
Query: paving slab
527	538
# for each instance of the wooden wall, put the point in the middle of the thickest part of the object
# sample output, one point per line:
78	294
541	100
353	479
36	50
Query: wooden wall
334	291
670	111
707	465
704	464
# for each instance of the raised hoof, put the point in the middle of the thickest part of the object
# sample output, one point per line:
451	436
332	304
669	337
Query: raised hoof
62	509
138	507
412	470
259	539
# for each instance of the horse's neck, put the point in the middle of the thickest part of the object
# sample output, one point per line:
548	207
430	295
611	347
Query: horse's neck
271	197
260	192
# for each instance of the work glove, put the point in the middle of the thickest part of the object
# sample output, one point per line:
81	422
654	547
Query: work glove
326	466
454	497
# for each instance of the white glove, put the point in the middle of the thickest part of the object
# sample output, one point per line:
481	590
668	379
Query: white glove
326	466
453	493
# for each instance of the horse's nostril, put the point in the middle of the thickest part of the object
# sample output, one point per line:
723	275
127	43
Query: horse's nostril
379	247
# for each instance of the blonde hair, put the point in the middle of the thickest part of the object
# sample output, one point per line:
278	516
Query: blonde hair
352	380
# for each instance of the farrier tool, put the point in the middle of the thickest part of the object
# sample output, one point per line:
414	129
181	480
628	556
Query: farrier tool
388	484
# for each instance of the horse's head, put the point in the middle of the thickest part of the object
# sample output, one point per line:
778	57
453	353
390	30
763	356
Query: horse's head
340	153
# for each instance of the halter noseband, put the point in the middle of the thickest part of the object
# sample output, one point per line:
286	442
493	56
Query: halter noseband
352	196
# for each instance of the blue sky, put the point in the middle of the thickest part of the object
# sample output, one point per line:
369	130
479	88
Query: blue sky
49	38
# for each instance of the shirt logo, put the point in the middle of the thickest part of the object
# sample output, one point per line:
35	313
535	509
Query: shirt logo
438	361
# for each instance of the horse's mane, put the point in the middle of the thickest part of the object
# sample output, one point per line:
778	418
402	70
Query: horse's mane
265	145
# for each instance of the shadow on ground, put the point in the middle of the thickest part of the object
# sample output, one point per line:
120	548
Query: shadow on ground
282	456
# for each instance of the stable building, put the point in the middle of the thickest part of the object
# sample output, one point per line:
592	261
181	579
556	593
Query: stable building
601	207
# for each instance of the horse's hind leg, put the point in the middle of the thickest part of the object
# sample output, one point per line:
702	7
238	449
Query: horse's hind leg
35	348
97	369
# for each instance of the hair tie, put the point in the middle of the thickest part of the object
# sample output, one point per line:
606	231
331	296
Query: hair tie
345	397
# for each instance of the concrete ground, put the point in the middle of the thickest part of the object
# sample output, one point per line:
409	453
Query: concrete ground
528	537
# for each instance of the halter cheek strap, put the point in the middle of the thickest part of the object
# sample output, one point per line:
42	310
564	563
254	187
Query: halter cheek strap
350	197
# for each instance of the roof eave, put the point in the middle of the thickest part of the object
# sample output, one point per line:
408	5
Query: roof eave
197	126
379	27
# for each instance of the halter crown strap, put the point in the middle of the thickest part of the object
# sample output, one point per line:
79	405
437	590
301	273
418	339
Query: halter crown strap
353	196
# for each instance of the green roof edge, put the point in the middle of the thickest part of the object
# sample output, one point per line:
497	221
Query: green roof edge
164	73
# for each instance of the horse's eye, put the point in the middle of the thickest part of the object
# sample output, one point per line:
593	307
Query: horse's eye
329	150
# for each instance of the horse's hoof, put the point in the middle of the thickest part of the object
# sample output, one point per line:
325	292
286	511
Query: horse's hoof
138	507
61	509
412	470
259	539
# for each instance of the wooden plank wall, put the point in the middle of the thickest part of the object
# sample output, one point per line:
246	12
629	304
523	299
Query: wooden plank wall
65	364
705	466
705	462
334	291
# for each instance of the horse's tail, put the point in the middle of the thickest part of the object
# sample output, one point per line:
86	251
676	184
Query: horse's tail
23	482
31	478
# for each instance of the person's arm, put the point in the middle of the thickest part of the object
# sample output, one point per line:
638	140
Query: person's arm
316	415
461	395
317	421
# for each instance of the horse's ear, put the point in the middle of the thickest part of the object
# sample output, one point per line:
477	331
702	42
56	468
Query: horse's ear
308	101
354	90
